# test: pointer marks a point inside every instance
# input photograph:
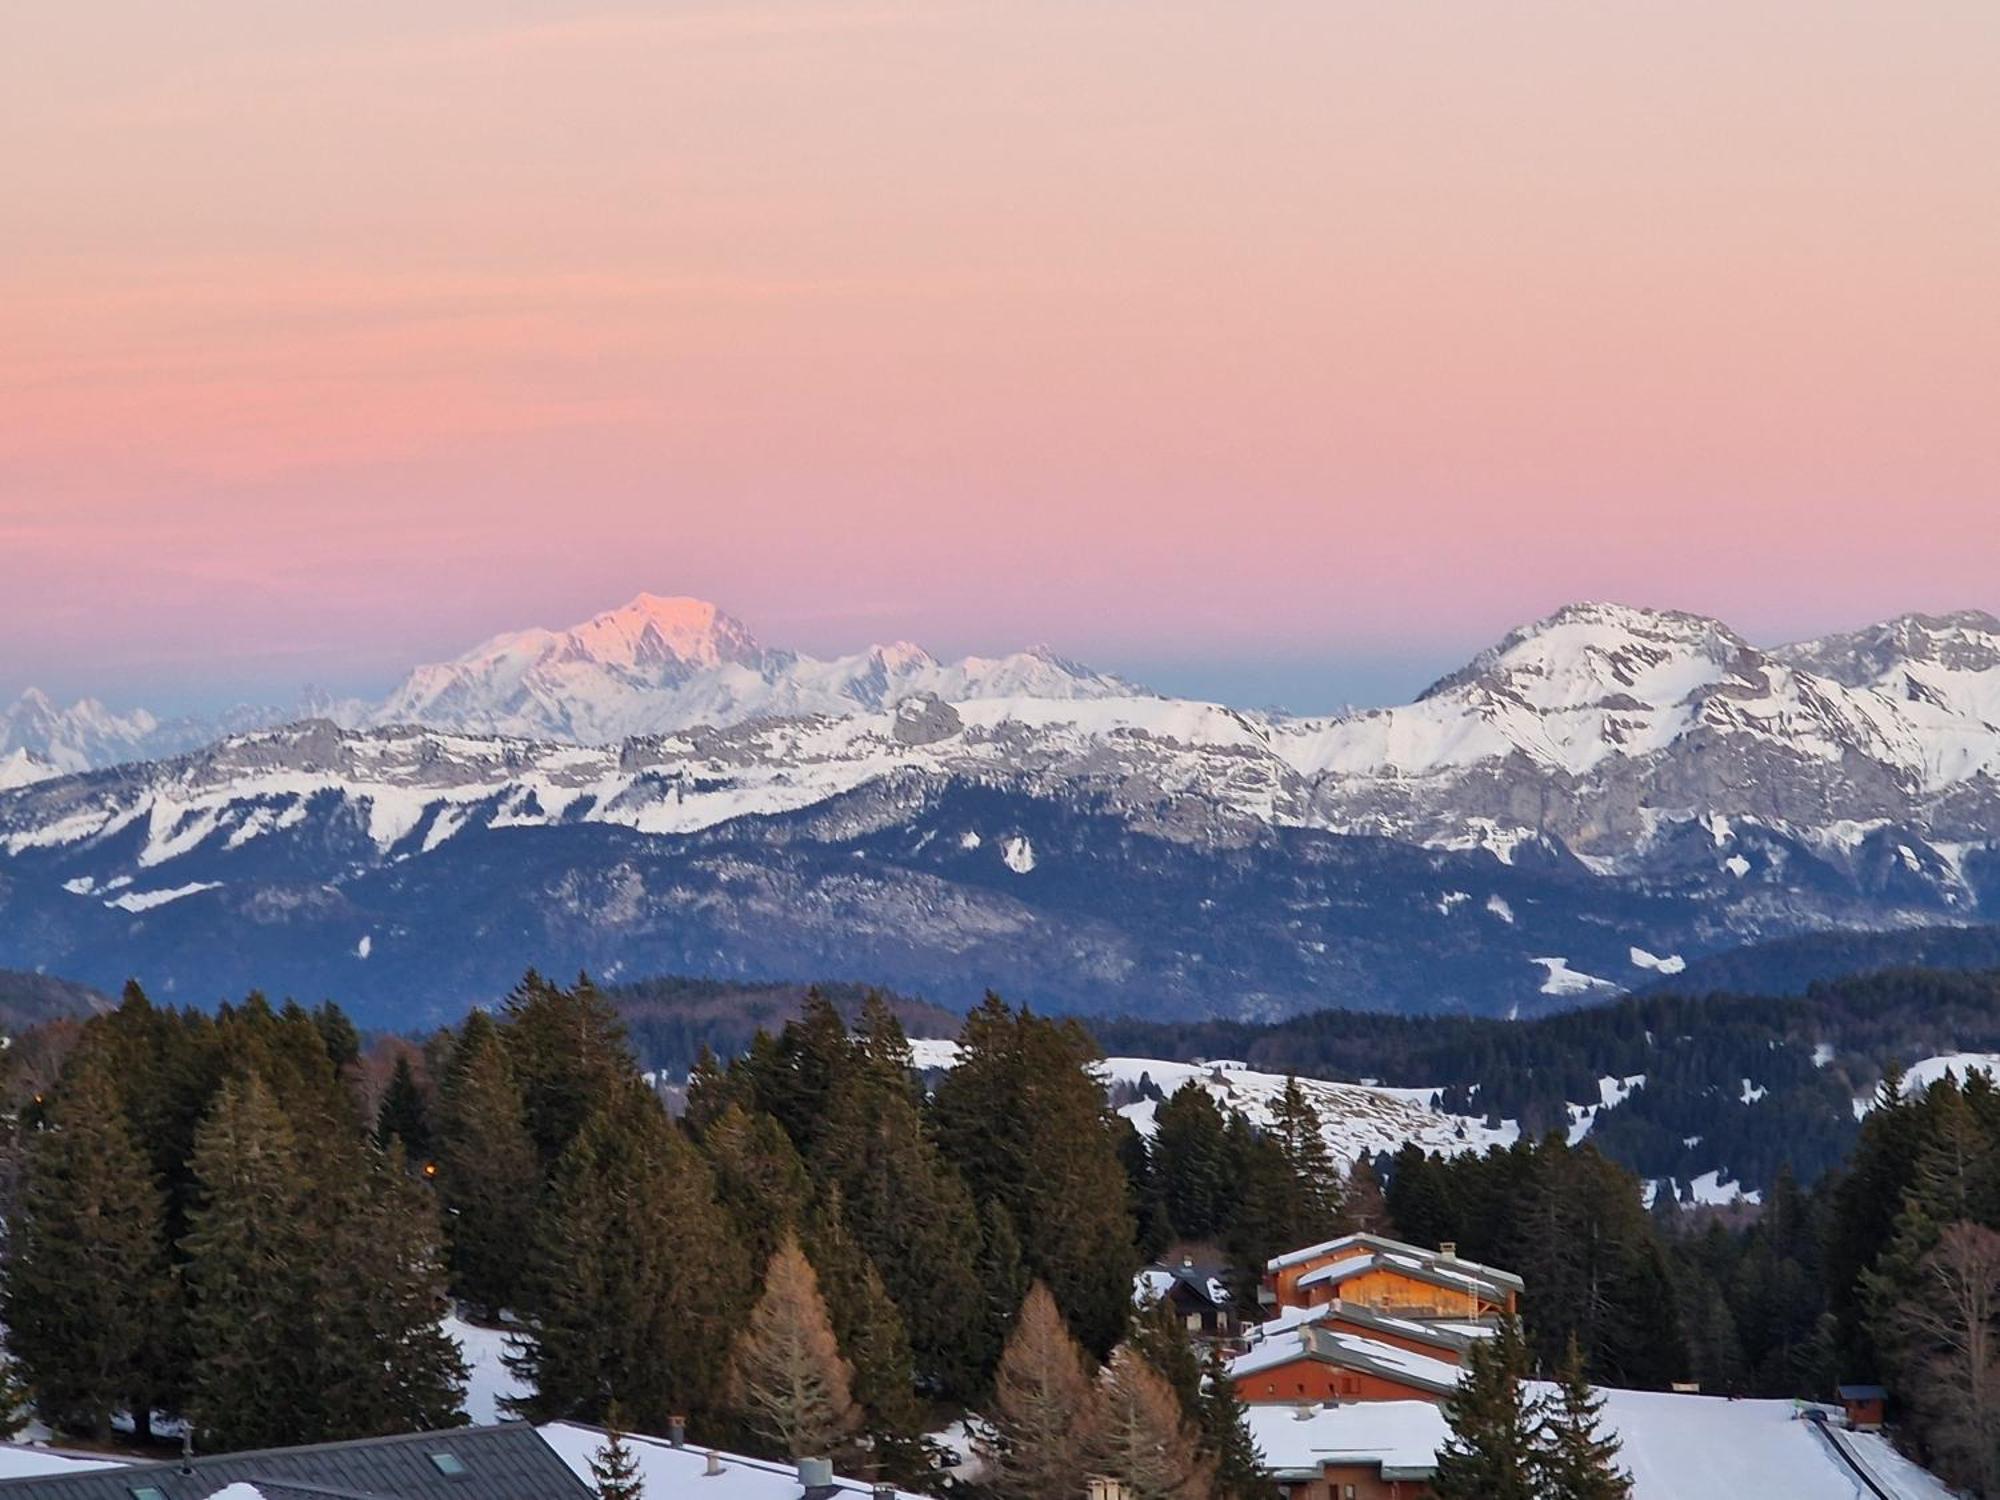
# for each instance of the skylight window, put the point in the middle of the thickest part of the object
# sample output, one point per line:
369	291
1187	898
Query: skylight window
448	1464
148	1492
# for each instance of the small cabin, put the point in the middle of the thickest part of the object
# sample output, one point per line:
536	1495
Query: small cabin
1864	1405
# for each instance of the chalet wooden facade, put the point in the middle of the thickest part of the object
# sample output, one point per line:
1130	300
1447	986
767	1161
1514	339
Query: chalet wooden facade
1388	1276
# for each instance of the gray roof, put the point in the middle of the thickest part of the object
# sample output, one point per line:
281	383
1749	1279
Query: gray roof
507	1462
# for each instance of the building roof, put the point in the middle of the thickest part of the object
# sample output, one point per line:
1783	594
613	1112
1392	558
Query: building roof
1400	1437
666	1471
1350	1351
1159	1279
1366	1247
1455	1334
507	1462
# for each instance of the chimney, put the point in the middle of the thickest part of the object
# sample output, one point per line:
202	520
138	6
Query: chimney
1187	1262
714	1464
881	1491
677	1431
1304	1413
187	1449
1101	1488
1448	1250
815	1474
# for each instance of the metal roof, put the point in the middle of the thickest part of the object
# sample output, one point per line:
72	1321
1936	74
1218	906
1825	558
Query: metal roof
507	1462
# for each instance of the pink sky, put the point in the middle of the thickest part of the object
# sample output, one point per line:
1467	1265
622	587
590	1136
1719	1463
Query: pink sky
332	337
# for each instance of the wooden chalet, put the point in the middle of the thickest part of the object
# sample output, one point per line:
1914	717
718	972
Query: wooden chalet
1391	1277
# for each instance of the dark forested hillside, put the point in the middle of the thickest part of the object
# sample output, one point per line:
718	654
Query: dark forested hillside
668	1020
1755	1083
1791	966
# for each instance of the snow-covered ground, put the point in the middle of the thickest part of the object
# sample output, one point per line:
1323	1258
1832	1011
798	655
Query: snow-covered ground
1356	1119
489	1381
1921	1075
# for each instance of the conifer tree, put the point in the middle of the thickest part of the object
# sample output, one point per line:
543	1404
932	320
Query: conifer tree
1025	1121
614	1470
638	1282
249	1252
488	1173
1364	1207
1296	1125
569	1055
1042	1422
85	1288
759	1179
386	1363
787	1378
402	1116
1191	1150
1003	1284
869	1329
1208	1401
1143	1436
1577	1460
1226	1438
1492	1451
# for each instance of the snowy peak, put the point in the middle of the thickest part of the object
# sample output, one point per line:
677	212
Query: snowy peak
70	739
653	631
19	768
1966	641
660	665
1590	655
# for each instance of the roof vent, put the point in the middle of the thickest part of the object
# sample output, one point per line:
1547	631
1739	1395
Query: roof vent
714	1464
815	1473
1304	1413
1448	1250
882	1492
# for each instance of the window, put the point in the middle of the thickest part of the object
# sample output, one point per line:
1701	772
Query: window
448	1464
148	1492
1347	1492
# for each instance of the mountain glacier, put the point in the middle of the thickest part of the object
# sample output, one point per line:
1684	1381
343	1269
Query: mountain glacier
1590	802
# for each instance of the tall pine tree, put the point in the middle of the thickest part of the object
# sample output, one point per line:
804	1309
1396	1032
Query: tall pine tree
85	1284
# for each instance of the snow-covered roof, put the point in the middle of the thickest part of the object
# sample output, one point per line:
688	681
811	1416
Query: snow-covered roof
1675	1447
666	1470
1350	1351
22	1460
1372	1248
1459	1334
1298	1442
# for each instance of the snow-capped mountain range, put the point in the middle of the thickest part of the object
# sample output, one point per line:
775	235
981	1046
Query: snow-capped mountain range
1582	805
655	666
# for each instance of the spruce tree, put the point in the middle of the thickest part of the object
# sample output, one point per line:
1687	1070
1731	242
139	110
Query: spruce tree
614	1470
569	1056
1192	1156
638	1282
1239	1465
759	1179
402	1116
1025	1120
870	1331
788	1381
488	1172
1577	1460
1041	1425
1320	1185
1492	1451
85	1283
250	1255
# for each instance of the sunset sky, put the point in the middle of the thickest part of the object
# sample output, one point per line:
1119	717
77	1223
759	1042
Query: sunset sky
1278	351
